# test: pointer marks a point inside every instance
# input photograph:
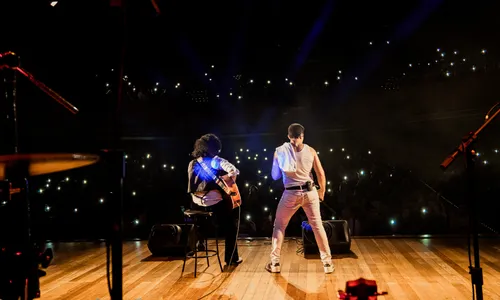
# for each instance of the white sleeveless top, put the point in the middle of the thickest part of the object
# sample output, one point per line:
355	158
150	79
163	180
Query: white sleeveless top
305	160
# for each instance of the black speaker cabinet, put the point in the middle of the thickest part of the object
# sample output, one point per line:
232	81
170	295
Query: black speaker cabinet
338	233
170	239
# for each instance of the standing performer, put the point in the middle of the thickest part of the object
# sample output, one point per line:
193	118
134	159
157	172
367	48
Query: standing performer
294	162
207	193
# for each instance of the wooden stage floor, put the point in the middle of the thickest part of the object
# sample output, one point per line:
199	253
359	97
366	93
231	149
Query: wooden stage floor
408	268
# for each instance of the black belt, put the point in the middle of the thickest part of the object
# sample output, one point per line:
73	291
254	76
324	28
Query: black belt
297	187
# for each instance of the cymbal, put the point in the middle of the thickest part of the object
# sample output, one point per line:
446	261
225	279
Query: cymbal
46	163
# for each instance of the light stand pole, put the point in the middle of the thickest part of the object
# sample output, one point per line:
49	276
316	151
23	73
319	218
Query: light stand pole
467	149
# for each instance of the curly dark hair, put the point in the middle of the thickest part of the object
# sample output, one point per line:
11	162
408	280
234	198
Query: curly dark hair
207	145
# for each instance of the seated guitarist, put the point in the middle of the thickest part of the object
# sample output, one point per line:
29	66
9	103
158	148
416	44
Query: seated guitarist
207	193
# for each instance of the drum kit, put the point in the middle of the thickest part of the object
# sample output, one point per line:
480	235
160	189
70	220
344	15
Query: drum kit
20	255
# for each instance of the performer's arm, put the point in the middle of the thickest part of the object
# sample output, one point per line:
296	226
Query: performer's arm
320	174
276	171
220	163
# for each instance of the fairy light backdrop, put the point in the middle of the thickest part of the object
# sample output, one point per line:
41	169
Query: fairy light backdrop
383	199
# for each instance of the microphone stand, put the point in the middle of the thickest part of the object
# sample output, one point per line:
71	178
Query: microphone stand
29	285
12	62
467	148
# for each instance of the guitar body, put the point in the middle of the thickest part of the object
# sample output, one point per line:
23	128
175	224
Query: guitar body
232	190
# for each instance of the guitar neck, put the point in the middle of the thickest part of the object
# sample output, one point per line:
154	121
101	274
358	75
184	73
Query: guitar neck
222	185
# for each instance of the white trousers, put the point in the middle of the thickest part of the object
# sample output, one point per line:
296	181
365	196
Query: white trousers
290	202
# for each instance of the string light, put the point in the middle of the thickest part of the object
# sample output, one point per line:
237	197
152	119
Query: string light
259	180
392	84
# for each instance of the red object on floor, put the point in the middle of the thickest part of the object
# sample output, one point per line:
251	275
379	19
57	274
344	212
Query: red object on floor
360	289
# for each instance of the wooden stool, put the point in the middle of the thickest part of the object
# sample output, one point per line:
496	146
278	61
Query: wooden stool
195	215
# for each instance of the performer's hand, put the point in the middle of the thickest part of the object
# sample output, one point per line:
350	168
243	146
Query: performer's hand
321	194
232	175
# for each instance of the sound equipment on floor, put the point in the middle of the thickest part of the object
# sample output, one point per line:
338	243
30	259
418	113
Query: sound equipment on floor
337	232
171	239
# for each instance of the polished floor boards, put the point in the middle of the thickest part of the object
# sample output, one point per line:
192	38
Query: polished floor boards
407	268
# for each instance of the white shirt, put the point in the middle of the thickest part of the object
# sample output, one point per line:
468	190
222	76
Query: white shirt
305	160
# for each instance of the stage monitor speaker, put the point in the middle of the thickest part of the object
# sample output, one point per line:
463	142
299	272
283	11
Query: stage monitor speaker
337	232
171	239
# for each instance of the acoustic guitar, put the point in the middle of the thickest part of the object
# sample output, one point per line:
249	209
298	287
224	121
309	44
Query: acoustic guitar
226	183
231	188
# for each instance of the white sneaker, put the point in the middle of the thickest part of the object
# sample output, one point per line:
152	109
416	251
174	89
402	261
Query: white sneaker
273	268
329	268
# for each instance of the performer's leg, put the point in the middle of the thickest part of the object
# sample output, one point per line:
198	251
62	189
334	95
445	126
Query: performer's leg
311	208
226	221
287	207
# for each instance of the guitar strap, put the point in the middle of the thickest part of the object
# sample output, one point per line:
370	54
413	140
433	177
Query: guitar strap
209	172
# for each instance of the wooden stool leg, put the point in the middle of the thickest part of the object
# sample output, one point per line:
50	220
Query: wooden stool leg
196	248
206	251
217	248
185	253
195	261
206	246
